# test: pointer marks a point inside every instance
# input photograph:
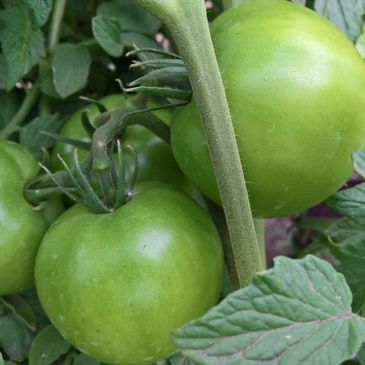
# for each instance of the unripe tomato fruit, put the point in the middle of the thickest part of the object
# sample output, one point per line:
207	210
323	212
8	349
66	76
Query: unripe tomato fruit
21	227
296	91
115	285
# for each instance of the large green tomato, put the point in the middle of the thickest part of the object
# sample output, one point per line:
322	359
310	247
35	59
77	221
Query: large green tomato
296	91
21	227
155	159
115	285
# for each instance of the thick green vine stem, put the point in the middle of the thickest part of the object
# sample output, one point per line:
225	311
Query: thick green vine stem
187	22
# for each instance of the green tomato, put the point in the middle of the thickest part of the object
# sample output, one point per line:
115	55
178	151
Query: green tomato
115	285
21	227
296	91
155	159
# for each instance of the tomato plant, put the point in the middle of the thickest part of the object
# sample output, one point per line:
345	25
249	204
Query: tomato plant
295	86
116	284
129	274
22	228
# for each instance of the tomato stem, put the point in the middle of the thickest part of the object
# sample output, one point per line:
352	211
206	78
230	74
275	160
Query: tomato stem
259	223
44	105
27	104
187	22
54	35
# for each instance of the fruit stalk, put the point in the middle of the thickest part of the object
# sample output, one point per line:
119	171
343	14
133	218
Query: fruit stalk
27	104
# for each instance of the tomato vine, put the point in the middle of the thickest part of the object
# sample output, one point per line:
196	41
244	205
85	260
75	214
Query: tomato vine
187	23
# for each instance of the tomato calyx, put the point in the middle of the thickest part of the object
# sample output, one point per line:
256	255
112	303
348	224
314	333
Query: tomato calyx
105	179
167	75
101	192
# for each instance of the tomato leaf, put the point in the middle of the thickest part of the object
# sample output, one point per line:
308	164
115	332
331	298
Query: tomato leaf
359	162
350	202
22	309
21	43
31	297
8	107
316	224
299	312
344	13
47	347
40	10
108	33
31	136
140	40
361	355
79	8
82	359
138	27
70	65
131	17
15	338
3	71
319	248
180	359
348	246
46	79
1	359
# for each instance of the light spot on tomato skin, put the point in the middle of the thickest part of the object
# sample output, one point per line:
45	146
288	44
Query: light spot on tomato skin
149	358
272	129
61	318
280	205
330	155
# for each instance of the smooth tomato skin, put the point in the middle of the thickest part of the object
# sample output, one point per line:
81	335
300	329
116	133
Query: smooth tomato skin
155	159
21	227
115	285
296	91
